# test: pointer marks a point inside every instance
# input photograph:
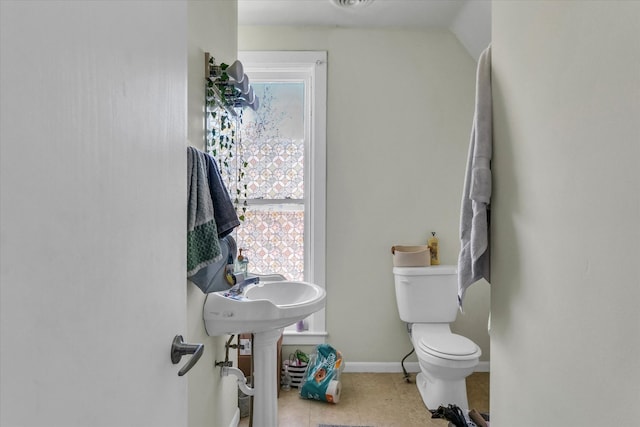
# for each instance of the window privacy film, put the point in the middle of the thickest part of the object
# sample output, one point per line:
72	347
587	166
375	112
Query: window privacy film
273	142
273	147
275	240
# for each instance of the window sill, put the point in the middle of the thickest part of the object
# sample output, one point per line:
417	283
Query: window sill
304	338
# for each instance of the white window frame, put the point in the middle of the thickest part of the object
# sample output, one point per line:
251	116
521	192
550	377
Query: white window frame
312	65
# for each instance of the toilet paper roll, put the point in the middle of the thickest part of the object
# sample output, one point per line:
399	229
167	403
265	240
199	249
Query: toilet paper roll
332	395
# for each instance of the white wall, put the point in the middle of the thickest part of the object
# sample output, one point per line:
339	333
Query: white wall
400	107
212	28
566	279
472	26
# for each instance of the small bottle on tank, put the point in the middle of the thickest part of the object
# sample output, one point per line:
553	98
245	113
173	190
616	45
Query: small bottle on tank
433	247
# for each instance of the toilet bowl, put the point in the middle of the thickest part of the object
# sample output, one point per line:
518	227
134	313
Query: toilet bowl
445	360
427	301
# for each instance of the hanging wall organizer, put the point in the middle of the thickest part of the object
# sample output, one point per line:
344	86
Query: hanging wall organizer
227	93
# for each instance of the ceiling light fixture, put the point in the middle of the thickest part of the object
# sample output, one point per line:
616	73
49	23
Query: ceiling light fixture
351	3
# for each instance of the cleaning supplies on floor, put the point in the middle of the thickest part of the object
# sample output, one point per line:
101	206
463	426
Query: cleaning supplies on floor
321	380
285	382
295	367
434	249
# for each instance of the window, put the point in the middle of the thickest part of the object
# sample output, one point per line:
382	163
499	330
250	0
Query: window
283	145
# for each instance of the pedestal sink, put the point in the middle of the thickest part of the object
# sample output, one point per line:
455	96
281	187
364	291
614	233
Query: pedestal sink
263	309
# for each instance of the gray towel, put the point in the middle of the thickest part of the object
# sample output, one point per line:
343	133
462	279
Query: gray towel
224	211
473	262
203	247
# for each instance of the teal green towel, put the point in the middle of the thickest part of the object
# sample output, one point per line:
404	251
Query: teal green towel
203	246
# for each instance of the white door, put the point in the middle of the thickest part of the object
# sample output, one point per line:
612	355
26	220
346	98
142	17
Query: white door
93	212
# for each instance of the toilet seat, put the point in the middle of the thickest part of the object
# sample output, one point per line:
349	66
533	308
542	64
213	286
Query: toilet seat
445	345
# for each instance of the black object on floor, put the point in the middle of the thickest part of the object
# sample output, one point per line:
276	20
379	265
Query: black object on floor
451	413
338	425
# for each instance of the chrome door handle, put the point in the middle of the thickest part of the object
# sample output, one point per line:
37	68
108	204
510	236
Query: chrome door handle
179	348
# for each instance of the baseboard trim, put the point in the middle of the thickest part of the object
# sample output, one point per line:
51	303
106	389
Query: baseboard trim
483	367
236	419
393	367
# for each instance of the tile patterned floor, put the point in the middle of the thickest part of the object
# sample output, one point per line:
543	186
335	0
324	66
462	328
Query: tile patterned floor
379	400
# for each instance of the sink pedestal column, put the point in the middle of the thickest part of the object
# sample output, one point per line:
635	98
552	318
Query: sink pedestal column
265	378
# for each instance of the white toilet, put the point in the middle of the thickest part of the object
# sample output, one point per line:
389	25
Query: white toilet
427	300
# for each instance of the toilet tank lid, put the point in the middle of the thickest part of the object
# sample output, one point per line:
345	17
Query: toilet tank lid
434	270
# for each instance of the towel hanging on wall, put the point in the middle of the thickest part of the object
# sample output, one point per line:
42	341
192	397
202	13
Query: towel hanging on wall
223	208
211	217
473	261
203	246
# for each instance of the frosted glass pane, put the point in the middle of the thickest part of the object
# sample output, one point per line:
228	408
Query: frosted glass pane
273	142
273	239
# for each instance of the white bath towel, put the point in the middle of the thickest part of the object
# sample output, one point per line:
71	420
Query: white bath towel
473	262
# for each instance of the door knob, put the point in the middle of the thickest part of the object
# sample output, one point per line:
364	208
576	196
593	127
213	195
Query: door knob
179	348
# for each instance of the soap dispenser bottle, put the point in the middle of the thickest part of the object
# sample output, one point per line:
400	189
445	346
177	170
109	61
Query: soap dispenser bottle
242	263
433	247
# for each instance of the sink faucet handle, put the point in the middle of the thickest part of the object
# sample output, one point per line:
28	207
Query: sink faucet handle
251	280
237	278
242	283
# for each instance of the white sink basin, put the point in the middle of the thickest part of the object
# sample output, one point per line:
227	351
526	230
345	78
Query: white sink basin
261	307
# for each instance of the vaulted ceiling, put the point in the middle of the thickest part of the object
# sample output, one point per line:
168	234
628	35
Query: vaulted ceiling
469	20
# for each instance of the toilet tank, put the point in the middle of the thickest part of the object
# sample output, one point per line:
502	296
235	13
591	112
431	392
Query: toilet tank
427	294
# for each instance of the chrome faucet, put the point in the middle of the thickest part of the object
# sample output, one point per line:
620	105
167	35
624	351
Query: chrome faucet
238	288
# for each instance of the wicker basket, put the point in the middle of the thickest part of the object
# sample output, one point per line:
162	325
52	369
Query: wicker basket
411	256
